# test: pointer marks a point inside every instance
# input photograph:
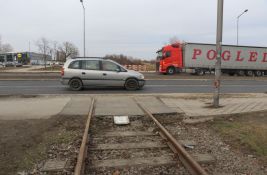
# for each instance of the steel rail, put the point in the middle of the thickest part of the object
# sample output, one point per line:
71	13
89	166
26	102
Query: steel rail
79	168
192	165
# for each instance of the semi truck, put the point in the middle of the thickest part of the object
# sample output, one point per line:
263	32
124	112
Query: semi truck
200	58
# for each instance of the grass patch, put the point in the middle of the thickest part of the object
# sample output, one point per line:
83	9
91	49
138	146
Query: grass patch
247	133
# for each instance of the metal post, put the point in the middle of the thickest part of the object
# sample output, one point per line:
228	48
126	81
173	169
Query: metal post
217	80
237	23
29	46
83	28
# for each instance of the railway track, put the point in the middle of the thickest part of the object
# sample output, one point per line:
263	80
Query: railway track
142	147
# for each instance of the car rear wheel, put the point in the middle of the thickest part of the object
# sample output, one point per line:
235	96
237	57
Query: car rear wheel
131	84
76	84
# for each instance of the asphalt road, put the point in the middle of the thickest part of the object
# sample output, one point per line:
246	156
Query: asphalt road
35	87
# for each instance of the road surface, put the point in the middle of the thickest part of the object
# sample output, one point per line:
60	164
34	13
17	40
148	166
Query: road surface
35	87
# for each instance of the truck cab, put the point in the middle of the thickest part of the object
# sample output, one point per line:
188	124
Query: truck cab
170	59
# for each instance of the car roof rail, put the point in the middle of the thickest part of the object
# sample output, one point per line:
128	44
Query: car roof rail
89	58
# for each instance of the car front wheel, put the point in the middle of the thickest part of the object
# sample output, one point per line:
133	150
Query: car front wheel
76	84
131	84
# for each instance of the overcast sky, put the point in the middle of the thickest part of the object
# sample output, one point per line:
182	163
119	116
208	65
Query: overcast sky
132	27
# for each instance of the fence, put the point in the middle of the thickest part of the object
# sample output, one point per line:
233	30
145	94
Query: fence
143	68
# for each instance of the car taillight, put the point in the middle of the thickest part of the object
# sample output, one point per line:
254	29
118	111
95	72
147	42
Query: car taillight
62	71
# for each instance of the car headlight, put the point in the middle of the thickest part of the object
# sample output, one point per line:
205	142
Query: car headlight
142	77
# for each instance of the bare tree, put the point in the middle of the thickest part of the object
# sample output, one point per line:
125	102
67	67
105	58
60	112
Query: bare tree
5	47
54	50
123	59
44	48
68	49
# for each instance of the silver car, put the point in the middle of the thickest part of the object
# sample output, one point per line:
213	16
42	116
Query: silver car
80	72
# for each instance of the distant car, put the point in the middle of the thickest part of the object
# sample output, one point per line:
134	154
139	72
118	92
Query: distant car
9	64
94	72
2	64
17	64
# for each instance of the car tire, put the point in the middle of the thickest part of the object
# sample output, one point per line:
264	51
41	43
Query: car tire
131	84
75	84
171	70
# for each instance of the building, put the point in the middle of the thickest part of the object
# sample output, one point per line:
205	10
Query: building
25	58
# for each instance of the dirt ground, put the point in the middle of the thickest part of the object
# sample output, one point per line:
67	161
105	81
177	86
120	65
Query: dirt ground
246	133
26	143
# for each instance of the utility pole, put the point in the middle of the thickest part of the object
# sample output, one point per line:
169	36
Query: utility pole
237	23
217	81
83	28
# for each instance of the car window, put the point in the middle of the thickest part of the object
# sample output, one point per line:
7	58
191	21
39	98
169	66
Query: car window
2	58
74	65
168	54
109	66
90	65
9	58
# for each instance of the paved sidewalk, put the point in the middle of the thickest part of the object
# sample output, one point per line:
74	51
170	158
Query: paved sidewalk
155	105
202	107
193	106
120	105
31	108
24	69
78	105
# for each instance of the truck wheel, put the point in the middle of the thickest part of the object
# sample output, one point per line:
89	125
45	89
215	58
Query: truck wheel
200	72
170	70
258	73
249	73
241	73
231	73
131	84
76	84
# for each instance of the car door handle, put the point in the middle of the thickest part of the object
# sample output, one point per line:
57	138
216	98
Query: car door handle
83	73
104	74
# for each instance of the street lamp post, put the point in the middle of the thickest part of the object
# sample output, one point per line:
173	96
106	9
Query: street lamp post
83	28
237	22
217	80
